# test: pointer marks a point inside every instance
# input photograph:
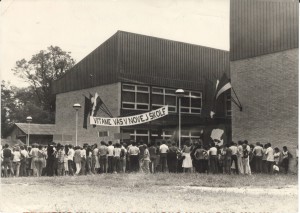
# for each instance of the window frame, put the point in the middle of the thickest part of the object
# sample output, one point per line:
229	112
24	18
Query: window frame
190	108
164	94
135	91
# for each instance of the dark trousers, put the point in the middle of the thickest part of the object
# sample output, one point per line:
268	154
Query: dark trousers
153	164
234	159
258	164
71	167
201	165
198	165
60	168
83	164
163	162
23	172
50	166
213	164
117	164
88	165
264	166
285	165
7	164
172	163
270	166
110	161
134	163
227	165
102	162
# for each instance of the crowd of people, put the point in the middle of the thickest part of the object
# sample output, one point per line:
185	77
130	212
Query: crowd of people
164	156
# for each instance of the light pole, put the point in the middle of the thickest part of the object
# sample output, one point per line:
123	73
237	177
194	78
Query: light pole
29	120
179	93
76	106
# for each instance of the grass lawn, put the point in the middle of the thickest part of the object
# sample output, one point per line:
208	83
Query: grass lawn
155	193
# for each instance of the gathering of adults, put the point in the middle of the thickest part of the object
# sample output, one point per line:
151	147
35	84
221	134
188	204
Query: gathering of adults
165	156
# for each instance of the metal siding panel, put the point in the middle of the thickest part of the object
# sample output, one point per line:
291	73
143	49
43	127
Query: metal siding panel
261	26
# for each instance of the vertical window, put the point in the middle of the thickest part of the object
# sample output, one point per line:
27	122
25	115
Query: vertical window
135	97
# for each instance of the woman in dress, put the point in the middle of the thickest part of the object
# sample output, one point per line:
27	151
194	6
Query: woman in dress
187	161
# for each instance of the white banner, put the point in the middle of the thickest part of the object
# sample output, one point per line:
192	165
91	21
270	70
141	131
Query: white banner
131	120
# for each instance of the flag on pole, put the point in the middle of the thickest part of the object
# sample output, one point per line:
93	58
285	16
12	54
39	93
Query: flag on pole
97	102
221	86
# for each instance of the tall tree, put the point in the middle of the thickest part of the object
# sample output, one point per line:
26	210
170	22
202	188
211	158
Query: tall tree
41	70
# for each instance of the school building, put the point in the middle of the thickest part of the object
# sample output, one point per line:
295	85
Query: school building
135	73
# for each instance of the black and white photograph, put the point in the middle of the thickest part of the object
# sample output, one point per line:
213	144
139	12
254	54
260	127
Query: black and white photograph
149	106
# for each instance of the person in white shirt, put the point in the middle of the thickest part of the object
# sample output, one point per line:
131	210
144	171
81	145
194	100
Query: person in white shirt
95	159
24	156
270	158
70	154
134	152
123	157
16	161
83	160
117	160
245	160
239	157
258	154
163	150
110	157
234	159
213	159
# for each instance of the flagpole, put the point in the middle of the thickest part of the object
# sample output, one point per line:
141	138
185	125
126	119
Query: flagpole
76	107
180	94
179	128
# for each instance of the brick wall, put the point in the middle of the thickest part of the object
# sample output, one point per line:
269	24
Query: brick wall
267	87
65	114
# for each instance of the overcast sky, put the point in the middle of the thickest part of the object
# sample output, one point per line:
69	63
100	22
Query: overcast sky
78	26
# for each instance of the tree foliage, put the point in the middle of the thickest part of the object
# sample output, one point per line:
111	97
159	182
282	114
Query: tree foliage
17	104
41	70
37	99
